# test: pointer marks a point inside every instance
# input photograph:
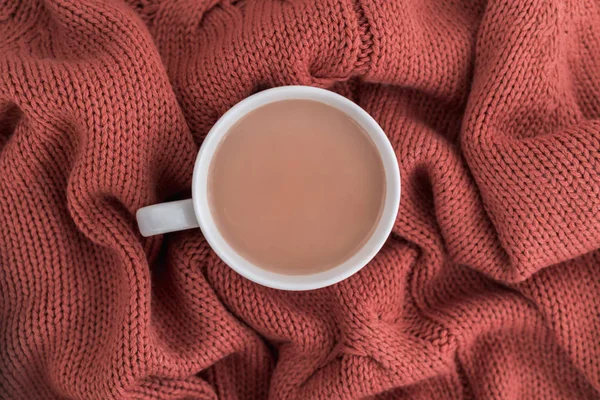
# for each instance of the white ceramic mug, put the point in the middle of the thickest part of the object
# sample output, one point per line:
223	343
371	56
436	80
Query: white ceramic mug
195	212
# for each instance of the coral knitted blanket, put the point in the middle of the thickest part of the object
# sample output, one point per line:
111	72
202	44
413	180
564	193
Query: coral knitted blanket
488	288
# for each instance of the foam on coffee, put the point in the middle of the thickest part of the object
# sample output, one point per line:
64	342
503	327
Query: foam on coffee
296	187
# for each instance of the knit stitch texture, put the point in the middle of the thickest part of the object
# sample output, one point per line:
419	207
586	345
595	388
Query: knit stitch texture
488	288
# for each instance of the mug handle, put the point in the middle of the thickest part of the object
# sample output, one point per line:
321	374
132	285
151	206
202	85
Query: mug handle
166	217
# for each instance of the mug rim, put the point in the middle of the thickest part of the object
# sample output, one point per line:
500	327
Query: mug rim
235	261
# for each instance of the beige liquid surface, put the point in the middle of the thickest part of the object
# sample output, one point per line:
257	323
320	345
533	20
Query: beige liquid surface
296	187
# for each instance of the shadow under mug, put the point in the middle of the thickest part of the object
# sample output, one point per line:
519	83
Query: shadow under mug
195	212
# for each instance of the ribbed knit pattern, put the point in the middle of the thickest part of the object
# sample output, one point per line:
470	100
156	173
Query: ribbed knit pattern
488	288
